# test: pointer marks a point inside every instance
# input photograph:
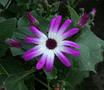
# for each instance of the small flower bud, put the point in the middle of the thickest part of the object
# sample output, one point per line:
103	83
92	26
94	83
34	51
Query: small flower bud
93	12
83	20
13	43
31	19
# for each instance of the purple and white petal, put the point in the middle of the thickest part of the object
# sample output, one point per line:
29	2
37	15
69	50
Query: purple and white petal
70	33
57	23
70	44
34	52
63	59
32	40
71	51
64	26
59	38
50	60
30	54
41	62
52	24
37	32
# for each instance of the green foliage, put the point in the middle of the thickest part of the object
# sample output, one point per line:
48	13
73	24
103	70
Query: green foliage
43	23
4	2
91	50
11	65
7	28
12	74
22	1
91	46
75	76
51	75
16	81
74	16
15	85
3	49
16	51
91	54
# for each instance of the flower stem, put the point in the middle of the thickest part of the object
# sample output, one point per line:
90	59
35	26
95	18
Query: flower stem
7	4
48	86
41	82
4	70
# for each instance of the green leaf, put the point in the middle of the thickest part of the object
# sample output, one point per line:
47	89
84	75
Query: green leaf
16	81
2	79
51	75
19	35
21	2
3	49
7	28
91	50
16	51
3	2
23	22
43	24
2	18
3	74
2	70
13	85
74	15
24	30
91	53
11	65
75	77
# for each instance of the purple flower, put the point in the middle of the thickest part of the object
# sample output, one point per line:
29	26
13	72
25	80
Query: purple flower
93	12
13	43
83	20
85	17
54	44
31	19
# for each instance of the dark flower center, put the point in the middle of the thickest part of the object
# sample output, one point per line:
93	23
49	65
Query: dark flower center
51	43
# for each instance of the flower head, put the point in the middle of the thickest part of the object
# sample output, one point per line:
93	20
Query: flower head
85	17
83	20
93	12
13	43
53	44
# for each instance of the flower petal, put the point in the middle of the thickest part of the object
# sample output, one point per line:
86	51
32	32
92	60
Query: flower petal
70	33
69	43
37	32
41	62
32	40
63	59
52	24
49	61
71	51
57	23
34	52
65	25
